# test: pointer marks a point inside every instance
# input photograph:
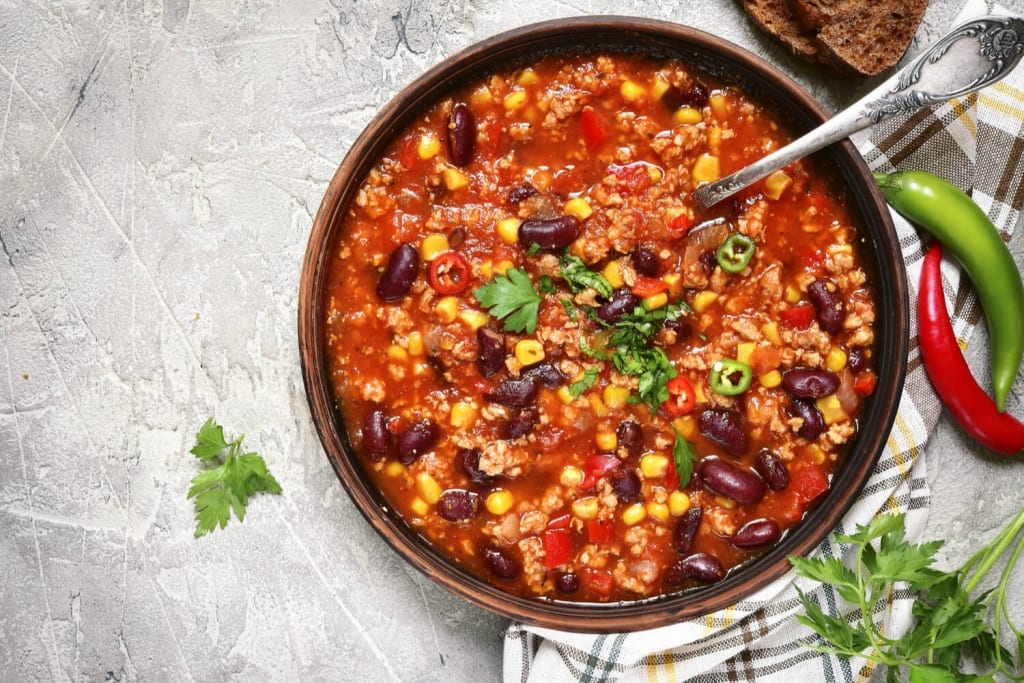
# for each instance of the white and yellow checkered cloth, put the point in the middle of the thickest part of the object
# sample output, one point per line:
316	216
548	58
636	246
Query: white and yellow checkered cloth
759	638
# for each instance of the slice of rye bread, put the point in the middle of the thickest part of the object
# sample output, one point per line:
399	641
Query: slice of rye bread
858	37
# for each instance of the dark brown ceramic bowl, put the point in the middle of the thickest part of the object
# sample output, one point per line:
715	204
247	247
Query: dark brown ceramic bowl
733	65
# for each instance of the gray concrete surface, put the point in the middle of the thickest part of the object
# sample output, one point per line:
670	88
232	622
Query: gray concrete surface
160	166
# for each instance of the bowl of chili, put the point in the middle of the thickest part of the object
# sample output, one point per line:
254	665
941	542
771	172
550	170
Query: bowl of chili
553	385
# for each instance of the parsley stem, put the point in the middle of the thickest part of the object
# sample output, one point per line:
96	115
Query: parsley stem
990	554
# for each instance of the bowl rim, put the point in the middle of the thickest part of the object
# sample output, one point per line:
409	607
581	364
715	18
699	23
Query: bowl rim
530	41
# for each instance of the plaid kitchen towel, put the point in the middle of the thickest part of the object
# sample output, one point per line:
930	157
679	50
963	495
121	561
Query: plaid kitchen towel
758	638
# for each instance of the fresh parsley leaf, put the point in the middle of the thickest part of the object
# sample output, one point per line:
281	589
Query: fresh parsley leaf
512	299
588	380
578	276
546	285
684	458
219	491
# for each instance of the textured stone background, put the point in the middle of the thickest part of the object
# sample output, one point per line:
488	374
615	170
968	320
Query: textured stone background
160	166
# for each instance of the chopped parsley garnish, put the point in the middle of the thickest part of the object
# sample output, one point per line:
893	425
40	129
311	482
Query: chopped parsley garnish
684	459
588	380
511	298
579	277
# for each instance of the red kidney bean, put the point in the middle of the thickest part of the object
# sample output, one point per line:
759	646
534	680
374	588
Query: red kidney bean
501	563
457	237
686	530
630	436
756	533
724	478
645	262
810	382
622	301
399	274
491	354
828	304
681	327
547	374
457	505
549	233
461	134
521	193
522	423
724	427
856	360
813	421
417	439
696	567
469	460
376	437
626	485
695	95
772	470
514	393
567	583
708	260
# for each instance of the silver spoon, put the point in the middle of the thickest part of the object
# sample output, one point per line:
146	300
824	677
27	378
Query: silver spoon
971	56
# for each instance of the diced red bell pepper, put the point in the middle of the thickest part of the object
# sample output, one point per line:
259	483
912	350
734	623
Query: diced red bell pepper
595	467
808	483
682	399
600	531
557	547
648	286
681	224
633	178
600	582
865	383
593	129
812	258
407	154
799	317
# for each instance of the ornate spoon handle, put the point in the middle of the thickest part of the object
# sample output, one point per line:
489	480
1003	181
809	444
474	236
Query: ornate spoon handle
971	56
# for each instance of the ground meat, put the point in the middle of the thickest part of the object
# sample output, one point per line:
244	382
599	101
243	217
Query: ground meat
498	457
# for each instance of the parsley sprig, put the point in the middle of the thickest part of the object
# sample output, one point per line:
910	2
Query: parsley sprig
225	488
511	298
951	625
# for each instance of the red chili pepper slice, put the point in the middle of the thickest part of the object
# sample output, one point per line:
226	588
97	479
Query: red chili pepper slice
944	362
595	467
600	582
808	483
648	286
799	317
449	273
682	399
594	131
557	547
600	531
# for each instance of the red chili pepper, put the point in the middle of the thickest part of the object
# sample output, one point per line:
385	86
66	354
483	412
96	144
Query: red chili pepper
799	317
600	531
557	547
594	131
944	362
595	467
648	286
681	397
449	273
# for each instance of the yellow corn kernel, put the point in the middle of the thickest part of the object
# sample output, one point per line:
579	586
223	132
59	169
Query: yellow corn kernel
686	425
831	409
502	266
703	300
514	100
394	469
499	502
659	87
634	514
632	91
474	319
508	229
564	394
613	274
529	351
814	454
791	295
687	116
678	503
428	488
579	207
606	441
659	511
654	466
615	397
835	360
770	379
655	301
428	146
419	508
597	405
725	502
397	353
454	179
698	394
771	332
432	245
481	97
447	308
655	174
415	344
714	139
745	351
674	282
719	104
527	77
585	508
570	476
462	415
706	169
776	184
486	269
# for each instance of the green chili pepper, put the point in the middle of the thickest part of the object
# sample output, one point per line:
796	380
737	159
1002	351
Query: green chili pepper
730	377
946	212
735	252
